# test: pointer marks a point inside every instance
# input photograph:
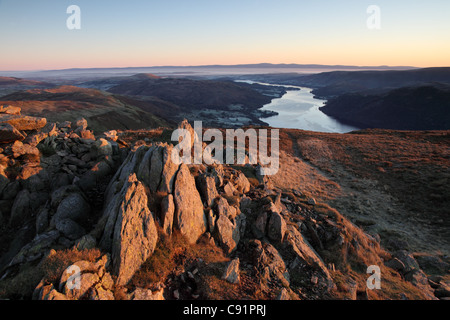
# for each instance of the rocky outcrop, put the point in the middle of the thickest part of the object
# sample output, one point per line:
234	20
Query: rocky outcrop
130	233
190	218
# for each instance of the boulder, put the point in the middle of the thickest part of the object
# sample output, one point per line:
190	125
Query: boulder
207	184
241	183
167	214
276	227
130	231
224	208
9	133
227	233
23	123
87	281
189	214
10	109
169	170
70	229
232	273
410	264
74	207
305	251
19	149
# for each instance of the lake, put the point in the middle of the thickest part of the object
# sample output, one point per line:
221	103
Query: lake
298	109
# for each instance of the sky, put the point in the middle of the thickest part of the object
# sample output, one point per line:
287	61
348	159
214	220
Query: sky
141	33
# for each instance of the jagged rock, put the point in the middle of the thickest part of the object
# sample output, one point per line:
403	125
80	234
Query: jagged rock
227	233
242	184
224	209
9	133
276	227
19	149
269	262
305	251
192	134
10	109
130	231
229	189
189	214
156	168
23	123
168	172
35	138
208	188
232	273
70	229
408	261
167	214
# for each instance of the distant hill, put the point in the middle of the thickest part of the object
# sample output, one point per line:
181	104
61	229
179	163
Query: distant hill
330	84
335	83
12	84
103	111
192	94
411	108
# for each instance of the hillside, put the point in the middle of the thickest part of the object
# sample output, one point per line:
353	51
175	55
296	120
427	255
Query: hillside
104	111
140	227
408	108
335	83
216	103
11	84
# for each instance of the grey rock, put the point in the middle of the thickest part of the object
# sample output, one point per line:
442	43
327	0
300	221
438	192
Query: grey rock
232	272
276	227
189	214
74	207
167	214
70	229
130	231
208	188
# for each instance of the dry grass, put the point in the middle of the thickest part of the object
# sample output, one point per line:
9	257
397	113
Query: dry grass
27	277
173	252
55	264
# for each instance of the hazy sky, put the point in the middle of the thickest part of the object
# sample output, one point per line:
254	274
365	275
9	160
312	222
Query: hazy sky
116	33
